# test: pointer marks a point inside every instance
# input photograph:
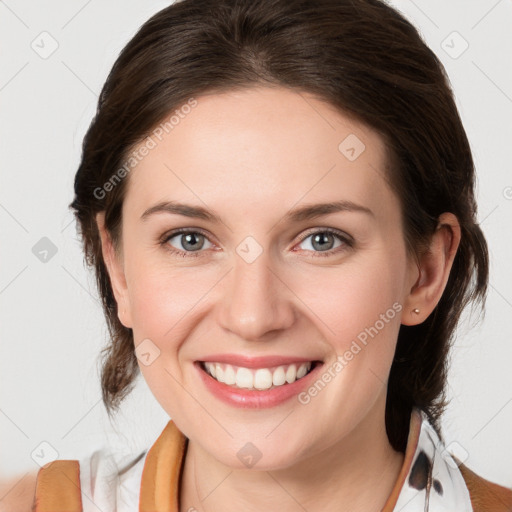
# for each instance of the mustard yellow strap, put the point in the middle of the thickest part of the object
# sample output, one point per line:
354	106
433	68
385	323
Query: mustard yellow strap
58	487
161	474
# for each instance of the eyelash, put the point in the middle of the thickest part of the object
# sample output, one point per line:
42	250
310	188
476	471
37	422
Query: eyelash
346	240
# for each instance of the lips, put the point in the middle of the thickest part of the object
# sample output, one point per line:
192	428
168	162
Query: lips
256	382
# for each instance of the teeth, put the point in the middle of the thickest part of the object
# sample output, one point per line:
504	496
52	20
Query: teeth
229	375
261	379
244	378
302	371
291	374
279	377
219	372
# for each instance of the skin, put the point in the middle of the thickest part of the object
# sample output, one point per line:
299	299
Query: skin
251	156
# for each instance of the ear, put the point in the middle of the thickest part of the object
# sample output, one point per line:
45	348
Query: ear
116	272
434	269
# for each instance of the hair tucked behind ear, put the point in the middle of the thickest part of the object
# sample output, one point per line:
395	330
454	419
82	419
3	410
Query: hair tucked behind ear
362	57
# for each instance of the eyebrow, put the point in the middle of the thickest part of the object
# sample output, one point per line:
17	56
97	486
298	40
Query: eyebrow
302	213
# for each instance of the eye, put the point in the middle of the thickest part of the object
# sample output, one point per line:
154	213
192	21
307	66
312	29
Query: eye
324	241
184	242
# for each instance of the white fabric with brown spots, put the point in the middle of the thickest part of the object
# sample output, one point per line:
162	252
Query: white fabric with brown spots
434	482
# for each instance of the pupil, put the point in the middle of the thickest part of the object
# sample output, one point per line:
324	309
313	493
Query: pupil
323	240
194	246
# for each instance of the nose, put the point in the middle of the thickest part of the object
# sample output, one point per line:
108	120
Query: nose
256	301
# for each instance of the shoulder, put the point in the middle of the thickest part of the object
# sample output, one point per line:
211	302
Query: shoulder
486	495
17	493
105	478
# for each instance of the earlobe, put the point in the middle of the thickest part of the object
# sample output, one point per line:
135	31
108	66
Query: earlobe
115	271
434	270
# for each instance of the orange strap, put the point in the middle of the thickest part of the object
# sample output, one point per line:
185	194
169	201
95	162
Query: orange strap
485	495
58	487
161	474
58	483
412	443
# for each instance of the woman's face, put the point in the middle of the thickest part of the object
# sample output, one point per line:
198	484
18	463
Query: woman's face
265	281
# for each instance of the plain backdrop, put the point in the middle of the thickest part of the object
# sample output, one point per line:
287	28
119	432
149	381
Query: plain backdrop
55	58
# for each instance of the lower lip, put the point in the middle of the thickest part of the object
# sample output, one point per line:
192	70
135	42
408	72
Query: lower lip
253	398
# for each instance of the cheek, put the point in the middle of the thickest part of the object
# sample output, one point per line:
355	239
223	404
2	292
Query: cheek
160	299
357	309
163	303
357	302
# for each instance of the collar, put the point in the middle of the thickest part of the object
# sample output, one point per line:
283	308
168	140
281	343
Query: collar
429	480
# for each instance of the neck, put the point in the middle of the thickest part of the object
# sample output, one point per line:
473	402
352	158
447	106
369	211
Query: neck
357	473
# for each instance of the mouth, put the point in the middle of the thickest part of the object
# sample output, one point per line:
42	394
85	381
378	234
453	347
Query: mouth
257	379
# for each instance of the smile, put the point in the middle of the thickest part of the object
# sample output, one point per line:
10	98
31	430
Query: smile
257	378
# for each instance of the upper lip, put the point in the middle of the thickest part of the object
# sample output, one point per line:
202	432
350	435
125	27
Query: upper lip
256	362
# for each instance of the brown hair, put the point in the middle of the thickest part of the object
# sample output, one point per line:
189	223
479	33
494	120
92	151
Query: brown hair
360	56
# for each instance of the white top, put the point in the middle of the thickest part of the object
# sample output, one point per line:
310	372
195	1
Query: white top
110	486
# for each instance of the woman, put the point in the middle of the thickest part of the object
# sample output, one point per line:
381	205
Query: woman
277	199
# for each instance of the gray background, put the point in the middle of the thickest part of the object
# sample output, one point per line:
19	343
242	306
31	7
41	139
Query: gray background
52	327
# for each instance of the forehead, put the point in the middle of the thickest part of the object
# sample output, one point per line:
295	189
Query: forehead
267	146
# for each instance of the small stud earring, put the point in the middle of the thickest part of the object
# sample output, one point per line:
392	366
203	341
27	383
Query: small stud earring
416	311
